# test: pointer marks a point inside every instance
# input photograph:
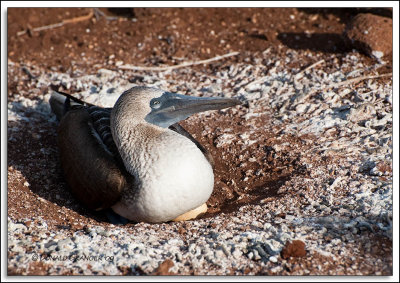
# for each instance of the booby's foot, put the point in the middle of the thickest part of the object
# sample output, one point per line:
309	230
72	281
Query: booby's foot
192	214
115	218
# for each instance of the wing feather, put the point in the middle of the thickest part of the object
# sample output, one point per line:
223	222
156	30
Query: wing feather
93	173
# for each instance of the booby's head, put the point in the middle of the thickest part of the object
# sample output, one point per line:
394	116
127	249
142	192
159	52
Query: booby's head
162	108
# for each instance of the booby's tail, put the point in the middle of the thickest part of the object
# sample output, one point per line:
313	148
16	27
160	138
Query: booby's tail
61	103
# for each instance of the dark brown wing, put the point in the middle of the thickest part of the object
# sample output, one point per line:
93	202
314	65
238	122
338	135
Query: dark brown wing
94	174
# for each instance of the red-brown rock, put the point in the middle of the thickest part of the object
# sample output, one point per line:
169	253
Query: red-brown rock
296	248
163	268
371	34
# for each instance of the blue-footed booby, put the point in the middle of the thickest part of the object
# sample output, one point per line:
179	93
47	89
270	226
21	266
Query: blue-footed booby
135	158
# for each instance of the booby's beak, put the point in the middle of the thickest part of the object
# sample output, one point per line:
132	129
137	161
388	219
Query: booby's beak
171	108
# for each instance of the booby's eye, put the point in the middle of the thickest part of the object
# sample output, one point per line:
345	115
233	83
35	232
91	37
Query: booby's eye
155	103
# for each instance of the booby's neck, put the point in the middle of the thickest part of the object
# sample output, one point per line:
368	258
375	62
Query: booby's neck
129	129
134	140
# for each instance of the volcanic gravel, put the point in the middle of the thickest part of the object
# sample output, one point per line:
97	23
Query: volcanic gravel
303	174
